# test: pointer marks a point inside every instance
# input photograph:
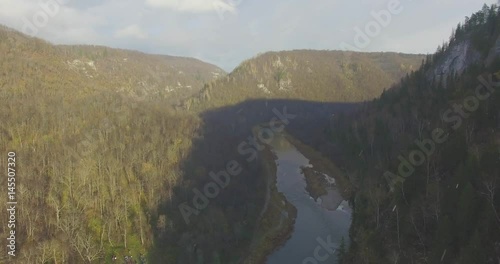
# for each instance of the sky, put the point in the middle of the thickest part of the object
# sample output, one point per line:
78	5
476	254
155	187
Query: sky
226	32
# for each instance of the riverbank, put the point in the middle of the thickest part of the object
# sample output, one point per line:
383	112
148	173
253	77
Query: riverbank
317	184
276	221
277	218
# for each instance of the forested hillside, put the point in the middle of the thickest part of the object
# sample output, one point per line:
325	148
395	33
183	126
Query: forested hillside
96	68
97	150
425	157
322	76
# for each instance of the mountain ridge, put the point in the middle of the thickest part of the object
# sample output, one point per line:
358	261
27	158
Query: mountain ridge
133	73
316	75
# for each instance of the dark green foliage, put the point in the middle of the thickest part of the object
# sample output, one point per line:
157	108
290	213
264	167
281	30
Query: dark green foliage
448	207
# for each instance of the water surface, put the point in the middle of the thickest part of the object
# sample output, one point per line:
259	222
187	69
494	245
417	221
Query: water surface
327	218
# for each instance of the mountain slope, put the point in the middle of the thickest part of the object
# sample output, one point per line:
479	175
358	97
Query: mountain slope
425	157
97	151
93	68
323	76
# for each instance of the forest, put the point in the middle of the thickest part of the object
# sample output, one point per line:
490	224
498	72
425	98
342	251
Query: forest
441	207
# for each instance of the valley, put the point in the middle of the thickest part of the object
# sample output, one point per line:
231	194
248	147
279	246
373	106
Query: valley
299	156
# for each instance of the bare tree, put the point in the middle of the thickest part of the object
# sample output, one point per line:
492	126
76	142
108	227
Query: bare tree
489	192
469	132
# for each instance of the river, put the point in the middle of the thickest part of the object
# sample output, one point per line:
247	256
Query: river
319	224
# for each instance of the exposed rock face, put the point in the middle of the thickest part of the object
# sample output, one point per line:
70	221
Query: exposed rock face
457	59
78	65
263	88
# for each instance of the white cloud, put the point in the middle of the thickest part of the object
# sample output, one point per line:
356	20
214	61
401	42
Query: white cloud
52	20
206	29
194	6
132	31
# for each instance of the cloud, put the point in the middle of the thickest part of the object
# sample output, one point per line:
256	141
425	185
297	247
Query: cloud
132	31
55	21
194	6
226	32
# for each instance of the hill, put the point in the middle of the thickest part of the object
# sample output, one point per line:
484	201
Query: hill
323	76
96	145
424	158
96	68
